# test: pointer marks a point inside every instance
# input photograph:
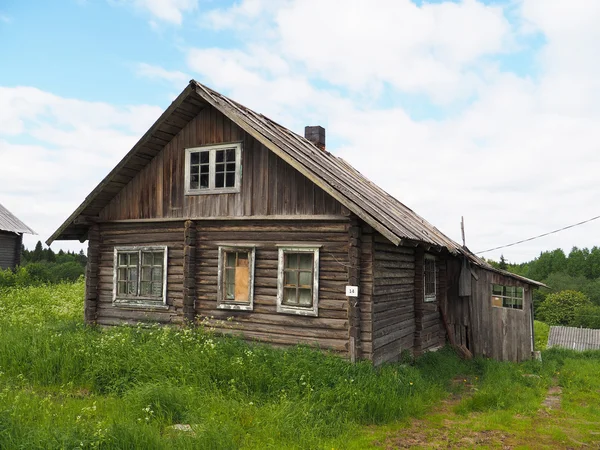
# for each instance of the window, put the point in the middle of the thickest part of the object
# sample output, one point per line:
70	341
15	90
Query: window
298	281
429	278
236	278
507	296
139	276
214	169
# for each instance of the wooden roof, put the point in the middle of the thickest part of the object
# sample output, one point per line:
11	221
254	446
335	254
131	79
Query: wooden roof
9	222
574	338
335	176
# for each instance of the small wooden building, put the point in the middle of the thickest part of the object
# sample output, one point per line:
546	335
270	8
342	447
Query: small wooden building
11	239
220	214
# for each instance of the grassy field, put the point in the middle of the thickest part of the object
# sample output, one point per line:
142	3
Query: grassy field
63	385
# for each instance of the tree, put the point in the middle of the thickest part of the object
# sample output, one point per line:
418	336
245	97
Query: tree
560	308
38	252
502	264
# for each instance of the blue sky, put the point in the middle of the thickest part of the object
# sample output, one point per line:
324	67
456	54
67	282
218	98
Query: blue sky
482	109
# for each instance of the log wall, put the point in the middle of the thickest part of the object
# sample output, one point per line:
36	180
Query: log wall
393	300
170	234
329	330
10	249
269	186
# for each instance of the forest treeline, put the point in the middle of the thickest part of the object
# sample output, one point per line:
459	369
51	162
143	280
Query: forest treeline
565	275
42	265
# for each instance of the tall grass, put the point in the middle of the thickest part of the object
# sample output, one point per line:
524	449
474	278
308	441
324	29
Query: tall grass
64	385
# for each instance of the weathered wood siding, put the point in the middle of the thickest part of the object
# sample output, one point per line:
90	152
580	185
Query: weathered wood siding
170	234
366	292
393	300
269	185
329	330
429	333
499	333
10	249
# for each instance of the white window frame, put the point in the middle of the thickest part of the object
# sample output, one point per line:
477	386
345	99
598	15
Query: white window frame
512	298
428	298
298	310
222	302
139	301
212	149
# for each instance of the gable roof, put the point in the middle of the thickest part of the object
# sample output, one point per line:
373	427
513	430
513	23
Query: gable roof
335	176
574	338
10	222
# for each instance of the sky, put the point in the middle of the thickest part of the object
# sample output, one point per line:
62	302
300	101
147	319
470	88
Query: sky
484	109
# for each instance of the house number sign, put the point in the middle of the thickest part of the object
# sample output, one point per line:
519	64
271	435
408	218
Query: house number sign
351	291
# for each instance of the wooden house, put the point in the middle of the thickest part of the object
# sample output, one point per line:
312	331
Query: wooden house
219	213
11	239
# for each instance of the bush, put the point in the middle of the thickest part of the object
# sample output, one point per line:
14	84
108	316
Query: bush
560	308
39	273
587	317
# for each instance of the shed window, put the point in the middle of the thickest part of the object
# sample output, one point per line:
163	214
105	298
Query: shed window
507	296
139	276
429	278
298	281
213	169
236	278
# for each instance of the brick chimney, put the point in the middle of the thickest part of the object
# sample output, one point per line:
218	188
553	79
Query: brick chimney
316	135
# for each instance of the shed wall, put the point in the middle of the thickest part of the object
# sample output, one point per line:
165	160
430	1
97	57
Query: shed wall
10	250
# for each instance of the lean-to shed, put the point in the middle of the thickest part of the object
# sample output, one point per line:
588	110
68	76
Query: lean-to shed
219	213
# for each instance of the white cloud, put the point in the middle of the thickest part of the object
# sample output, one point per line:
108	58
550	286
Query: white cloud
71	145
153	72
170	11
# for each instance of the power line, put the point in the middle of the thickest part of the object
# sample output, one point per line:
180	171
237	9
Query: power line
539	236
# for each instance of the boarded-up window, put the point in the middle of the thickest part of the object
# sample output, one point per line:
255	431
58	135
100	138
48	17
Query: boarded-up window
429	278
298	280
213	169
507	296
139	276
236	278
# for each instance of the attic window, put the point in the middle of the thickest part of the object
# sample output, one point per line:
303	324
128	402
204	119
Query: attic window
214	169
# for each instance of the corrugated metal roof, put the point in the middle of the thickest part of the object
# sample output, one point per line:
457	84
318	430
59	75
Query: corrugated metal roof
9	222
335	176
574	338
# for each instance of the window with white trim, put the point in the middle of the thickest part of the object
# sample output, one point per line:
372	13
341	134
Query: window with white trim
140	276
507	296
236	278
298	281
429	279
214	169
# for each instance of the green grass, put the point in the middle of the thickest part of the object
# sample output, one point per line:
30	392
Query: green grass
64	385
541	331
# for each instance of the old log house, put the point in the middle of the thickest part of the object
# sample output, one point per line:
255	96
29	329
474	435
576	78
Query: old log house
11	239
219	212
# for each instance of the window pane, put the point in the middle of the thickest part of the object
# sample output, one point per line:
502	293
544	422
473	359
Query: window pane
219	156
147	259
230	154
205	168
305	297
230	167
289	296
159	258
194	181
306	260
157	274
121	287
194	158
496	289
230	276
219	168
122	274
219	180
230	180
132	274
290	278
230	259
145	288
204	181
122	259
520	292
132	288
305	278
146	273
157	289
133	259
291	260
